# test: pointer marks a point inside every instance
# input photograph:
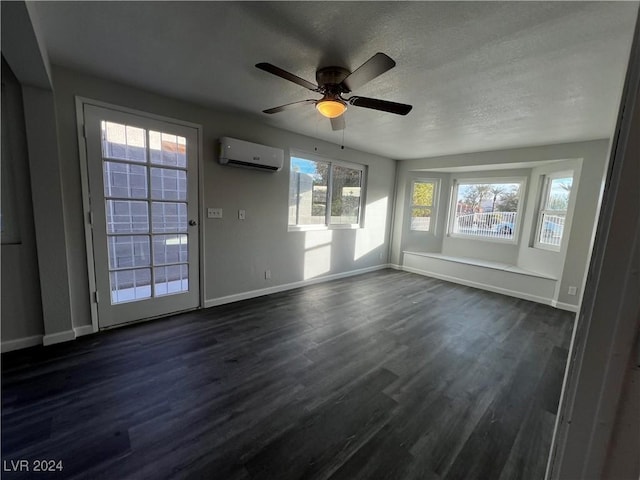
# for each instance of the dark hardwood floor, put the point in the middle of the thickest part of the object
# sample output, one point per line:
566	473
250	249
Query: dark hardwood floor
388	375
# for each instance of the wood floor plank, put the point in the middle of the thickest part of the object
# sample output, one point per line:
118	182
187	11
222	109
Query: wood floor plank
388	375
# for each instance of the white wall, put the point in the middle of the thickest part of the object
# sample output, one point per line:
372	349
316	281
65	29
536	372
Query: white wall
588	159
21	305
23	50
236	253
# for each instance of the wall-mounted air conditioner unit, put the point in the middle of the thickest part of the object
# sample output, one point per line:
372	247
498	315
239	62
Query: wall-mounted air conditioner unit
239	153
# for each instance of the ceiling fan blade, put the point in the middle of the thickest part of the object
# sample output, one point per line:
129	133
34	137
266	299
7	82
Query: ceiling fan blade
338	123
267	67
383	105
375	66
288	106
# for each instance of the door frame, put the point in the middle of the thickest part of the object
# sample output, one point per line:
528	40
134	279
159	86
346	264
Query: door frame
80	102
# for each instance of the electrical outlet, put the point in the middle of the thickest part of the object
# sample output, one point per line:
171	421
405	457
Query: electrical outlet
241	214
267	274
214	213
572	290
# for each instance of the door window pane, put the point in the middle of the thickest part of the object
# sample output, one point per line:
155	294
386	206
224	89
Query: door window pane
171	279
168	184
167	149
129	251
169	217
125	180
129	285
123	142
124	216
170	249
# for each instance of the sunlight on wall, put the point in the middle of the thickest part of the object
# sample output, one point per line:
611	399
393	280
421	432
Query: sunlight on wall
317	255
371	237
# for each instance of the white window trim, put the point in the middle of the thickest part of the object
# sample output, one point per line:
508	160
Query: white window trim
433	206
484	180
542	210
363	191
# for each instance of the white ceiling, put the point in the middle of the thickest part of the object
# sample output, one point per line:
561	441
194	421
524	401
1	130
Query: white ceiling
480	75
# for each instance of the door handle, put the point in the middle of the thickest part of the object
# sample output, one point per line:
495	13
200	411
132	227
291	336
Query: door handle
193	223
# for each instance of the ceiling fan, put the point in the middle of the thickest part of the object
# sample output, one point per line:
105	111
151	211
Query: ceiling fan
333	82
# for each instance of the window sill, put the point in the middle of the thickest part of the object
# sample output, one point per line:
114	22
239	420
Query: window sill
312	228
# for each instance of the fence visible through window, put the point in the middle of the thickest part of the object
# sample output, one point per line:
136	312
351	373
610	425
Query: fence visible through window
491	225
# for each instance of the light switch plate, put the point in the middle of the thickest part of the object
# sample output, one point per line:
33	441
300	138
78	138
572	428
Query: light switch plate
241	214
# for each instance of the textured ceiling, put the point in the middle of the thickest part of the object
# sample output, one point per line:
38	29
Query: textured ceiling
480	75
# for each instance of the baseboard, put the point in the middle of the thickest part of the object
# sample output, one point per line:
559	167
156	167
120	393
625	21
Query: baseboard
83	330
289	286
481	286
58	337
565	306
20	343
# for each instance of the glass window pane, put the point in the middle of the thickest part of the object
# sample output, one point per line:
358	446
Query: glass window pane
487	210
168	184
125	216
169	217
129	285
125	180
171	279
170	249
129	251
559	191
420	219
552	229
308	192
422	194
167	149
123	142
345	195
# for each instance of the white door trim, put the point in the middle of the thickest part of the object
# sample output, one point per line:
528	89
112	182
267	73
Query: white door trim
86	206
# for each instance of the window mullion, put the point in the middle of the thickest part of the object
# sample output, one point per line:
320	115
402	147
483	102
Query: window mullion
327	220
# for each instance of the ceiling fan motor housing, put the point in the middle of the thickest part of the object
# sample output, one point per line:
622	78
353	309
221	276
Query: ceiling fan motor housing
330	79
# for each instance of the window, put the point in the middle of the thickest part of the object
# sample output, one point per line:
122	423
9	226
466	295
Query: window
553	210
423	194
486	208
325	193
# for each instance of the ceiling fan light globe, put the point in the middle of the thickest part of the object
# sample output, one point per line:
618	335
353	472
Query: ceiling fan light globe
331	108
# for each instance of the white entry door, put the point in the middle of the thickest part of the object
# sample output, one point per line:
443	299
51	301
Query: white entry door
143	190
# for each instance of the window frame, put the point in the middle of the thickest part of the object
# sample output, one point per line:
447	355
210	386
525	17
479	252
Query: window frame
433	206
455	185
542	208
327	225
